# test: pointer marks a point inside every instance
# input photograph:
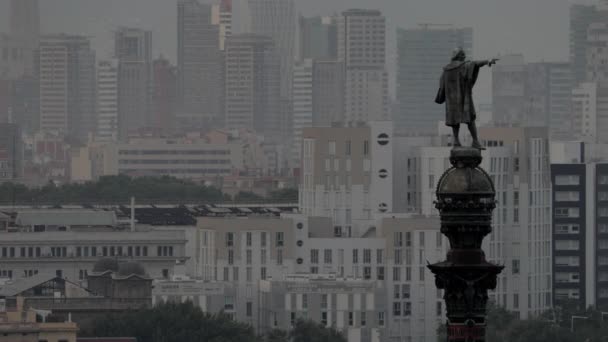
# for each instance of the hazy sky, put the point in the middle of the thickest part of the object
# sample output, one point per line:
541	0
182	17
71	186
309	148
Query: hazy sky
536	28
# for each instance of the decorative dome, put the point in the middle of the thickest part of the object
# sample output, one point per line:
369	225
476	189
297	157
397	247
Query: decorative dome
130	268
105	264
466	177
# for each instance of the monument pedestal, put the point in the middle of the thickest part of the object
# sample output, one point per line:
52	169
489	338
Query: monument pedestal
466	200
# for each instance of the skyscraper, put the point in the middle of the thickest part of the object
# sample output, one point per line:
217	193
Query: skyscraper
67	86
318	37
163	103
328	92
302	106
277	19
107	100
25	28
362	48
199	64
581	17
133	49
221	15
423	52
252	85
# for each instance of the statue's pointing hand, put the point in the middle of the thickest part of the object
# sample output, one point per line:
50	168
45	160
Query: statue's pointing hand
493	61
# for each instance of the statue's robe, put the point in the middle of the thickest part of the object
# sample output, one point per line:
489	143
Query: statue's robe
456	90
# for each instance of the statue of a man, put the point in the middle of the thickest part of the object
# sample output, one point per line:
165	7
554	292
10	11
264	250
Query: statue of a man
456	90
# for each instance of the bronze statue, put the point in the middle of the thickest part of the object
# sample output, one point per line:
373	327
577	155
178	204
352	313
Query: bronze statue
456	90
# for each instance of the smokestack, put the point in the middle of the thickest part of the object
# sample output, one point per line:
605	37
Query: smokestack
132	214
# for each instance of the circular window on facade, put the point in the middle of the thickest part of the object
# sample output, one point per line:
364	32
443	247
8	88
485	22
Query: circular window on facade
383	173
383	139
299	261
383	207
300	243
300	225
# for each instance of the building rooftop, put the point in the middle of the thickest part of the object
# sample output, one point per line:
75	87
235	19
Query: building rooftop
66	217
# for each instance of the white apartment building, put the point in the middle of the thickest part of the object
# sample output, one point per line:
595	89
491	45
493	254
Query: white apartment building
107	100
392	252
517	159
347	174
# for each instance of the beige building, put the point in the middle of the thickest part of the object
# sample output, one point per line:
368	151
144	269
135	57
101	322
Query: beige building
181	158
18	324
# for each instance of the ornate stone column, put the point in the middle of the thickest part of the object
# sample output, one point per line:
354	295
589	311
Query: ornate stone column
465	200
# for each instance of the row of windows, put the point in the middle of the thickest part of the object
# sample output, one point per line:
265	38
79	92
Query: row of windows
279	239
82	251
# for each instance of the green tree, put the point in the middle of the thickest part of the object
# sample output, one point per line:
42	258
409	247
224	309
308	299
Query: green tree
309	331
277	335
172	323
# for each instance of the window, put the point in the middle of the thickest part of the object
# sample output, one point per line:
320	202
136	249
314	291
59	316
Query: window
602	211
431	181
367	272
263	273
366	148
355	256
396	274
407	310
569	261
351	318
248	239
327	256
228	303
249	311
314	270
367	256
421	271
347	146
229	239
263	239
408	274
396	308
603	179
279	240
567	180
379	256
405	291
567	229
323	301
304	301
380	273
421	236
381	318
331	148
363	318
324	318
314	256
567	196
235	274
516	301
408	239
226	274
398	239
515	266
567	245
263	257
248	256
248	274
567	212
230	257
279	257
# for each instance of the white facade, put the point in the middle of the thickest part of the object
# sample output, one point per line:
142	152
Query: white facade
393	252
347	174
107	100
302	107
517	159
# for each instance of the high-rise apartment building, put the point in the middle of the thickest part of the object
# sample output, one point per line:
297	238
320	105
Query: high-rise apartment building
221	15
277	19
362	48
347	174
67	86
302	116
422	54
25	29
318	38
328	92
199	63
533	95
133	49
582	16
252	85
107	100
